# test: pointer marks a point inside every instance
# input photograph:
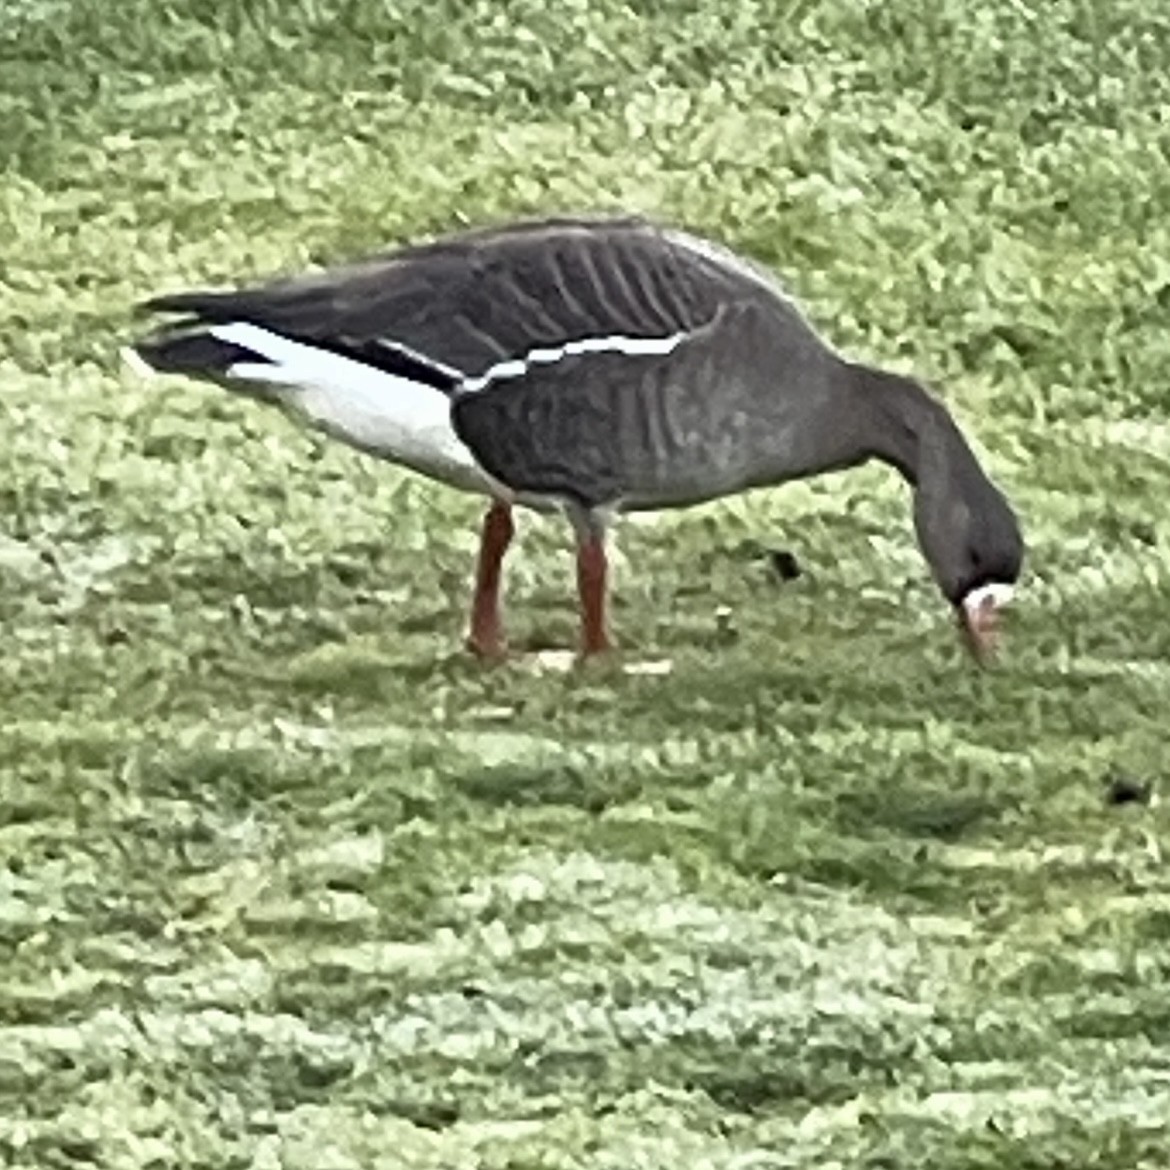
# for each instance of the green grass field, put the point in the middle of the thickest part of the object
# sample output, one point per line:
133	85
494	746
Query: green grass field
287	881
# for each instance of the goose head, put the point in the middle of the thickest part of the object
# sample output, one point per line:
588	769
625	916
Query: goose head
972	542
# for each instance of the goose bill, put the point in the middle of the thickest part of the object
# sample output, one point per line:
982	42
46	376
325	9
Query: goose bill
979	618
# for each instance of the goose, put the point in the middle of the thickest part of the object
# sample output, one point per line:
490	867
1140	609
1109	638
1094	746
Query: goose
591	366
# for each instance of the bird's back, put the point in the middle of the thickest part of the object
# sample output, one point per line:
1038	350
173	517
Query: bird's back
602	358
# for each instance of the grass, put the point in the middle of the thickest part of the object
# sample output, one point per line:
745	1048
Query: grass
285	880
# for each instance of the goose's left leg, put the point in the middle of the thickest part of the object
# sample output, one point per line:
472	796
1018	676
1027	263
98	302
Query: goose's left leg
486	637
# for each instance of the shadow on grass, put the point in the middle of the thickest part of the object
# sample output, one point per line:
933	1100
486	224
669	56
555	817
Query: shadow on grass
927	813
553	784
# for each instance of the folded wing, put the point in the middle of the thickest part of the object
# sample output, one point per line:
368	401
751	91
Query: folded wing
458	307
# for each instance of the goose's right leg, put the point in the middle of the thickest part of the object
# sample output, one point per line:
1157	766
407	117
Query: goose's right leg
592	583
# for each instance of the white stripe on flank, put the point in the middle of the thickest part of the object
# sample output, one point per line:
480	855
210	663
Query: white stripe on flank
401	420
617	343
422	358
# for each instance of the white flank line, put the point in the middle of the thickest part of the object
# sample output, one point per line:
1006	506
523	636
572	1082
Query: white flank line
422	358
396	418
617	343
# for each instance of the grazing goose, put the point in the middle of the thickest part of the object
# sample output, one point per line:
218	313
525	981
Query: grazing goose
593	366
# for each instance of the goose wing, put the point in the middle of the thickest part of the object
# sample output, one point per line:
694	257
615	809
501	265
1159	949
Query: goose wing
460	308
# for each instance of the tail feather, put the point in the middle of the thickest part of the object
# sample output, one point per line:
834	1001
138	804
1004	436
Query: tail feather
198	354
206	306
370	394
212	343
197	345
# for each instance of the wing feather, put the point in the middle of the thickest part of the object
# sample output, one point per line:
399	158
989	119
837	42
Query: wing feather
469	302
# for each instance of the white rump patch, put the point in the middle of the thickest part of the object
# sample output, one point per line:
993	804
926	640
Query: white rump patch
398	419
630	346
997	593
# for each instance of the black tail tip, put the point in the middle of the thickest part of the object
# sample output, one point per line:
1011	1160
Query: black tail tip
196	354
193	304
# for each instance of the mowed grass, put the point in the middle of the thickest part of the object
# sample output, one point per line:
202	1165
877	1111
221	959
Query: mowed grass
286	880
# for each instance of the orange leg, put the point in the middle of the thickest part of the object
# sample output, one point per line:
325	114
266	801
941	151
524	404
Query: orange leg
592	569
486	636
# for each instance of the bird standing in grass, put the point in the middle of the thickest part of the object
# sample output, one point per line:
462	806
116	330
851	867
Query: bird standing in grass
592	366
